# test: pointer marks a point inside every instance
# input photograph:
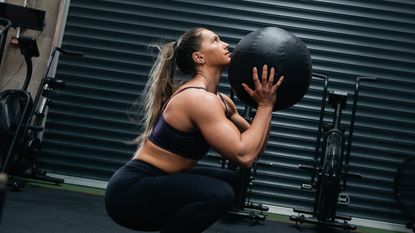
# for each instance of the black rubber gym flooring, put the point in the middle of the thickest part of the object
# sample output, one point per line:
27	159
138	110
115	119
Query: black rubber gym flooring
45	210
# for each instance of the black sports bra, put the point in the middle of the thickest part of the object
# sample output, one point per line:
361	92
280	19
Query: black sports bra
191	145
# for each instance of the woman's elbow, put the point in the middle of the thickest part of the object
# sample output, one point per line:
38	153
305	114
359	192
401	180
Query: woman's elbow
240	156
246	161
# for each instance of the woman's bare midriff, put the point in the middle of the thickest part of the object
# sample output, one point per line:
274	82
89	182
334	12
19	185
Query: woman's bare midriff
163	159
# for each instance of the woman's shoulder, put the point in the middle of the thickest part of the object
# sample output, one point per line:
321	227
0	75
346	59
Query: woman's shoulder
194	97
193	104
202	97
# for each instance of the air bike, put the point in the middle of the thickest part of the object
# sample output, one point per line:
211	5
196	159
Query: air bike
331	162
21	119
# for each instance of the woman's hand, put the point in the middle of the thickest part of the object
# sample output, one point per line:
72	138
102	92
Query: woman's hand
265	93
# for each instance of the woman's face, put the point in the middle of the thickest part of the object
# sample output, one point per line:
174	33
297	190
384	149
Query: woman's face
214	51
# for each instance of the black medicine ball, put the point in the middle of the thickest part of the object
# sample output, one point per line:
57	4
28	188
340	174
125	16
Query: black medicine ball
279	49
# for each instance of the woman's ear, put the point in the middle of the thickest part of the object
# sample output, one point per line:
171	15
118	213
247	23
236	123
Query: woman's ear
198	58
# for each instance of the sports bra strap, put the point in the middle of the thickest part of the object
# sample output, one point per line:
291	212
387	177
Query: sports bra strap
223	101
168	100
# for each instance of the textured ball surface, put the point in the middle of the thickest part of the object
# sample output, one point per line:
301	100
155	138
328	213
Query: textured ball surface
276	48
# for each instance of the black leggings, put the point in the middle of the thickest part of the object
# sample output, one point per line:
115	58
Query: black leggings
140	196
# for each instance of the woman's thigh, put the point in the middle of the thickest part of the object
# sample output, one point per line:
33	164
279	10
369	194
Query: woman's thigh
229	176
150	202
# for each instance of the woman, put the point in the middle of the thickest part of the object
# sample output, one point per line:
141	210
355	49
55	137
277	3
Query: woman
159	189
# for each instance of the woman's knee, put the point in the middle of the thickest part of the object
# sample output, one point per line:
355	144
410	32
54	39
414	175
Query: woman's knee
223	196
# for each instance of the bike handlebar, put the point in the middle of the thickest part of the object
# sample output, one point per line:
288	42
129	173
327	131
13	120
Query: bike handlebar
69	52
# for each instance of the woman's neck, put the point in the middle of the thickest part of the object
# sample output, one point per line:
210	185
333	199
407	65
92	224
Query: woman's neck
209	79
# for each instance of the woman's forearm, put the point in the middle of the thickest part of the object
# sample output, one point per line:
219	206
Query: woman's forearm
255	138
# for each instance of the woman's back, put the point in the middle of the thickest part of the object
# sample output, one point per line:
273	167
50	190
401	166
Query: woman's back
176	142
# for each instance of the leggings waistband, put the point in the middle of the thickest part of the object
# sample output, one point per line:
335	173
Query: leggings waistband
145	167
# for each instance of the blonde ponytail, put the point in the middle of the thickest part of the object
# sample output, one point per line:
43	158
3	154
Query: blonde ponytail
160	86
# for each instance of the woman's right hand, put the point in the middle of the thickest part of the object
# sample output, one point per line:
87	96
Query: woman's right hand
265	93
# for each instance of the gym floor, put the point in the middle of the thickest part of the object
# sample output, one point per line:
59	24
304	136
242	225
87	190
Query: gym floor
41	207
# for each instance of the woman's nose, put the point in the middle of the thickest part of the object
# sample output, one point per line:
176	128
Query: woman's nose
226	45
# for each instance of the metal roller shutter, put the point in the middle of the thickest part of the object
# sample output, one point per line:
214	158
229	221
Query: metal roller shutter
88	125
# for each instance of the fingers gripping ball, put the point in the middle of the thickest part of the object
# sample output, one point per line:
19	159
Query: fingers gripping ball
279	49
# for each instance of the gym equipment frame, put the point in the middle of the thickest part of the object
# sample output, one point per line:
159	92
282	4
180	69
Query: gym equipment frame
331	162
21	121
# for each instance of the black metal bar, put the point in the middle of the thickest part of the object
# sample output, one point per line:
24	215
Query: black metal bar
3	190
7	24
304	211
40	89
320	125
303	219
69	52
43	85
353	116
28	48
251	215
28	73
337	116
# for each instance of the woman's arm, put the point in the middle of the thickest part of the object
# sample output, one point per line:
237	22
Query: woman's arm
224	136
233	114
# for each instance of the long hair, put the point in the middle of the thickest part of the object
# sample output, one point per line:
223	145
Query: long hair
161	83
